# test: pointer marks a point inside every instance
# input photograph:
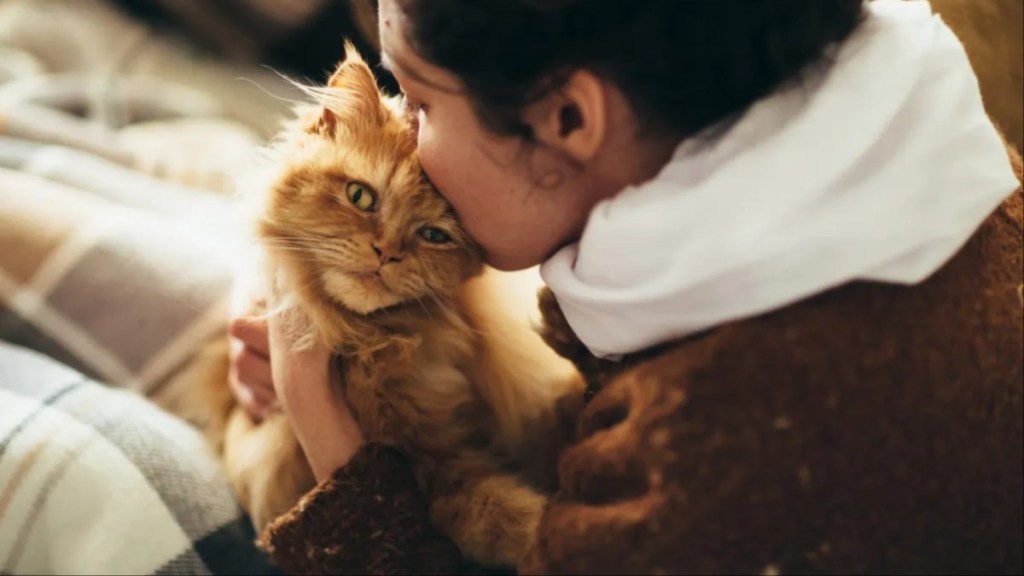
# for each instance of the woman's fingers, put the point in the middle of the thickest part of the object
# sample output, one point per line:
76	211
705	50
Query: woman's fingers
251	381
252	331
250	374
296	369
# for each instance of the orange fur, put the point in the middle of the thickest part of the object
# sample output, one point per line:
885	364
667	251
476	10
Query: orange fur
432	360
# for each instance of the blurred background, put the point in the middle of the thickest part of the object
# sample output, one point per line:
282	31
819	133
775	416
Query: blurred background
176	90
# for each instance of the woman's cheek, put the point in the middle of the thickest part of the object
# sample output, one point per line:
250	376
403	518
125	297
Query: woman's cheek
428	159
433	169
435	164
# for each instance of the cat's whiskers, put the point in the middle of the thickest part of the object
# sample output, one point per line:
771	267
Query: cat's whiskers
297	245
448	302
426	310
297	254
274	95
300	254
437	300
305	250
451	306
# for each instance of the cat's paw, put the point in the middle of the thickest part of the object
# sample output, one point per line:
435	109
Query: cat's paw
555	329
265	466
556	332
493	520
522	531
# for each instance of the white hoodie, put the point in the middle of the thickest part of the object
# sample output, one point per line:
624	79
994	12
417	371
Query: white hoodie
880	168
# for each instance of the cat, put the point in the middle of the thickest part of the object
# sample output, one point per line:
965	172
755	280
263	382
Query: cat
372	259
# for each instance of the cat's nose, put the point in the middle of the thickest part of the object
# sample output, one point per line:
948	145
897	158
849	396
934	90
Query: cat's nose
386	256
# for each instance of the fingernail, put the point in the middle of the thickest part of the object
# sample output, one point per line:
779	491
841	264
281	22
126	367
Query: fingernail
246	398
271	408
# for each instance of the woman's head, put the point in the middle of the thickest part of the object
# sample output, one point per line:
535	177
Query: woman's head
535	110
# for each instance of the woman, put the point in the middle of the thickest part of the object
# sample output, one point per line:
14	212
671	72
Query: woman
782	243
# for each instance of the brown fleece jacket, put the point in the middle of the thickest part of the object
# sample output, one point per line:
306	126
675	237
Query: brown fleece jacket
872	428
992	32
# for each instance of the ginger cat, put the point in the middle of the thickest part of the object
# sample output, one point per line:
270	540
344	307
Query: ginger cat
367	252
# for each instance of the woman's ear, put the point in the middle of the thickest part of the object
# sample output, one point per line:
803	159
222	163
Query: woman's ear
573	119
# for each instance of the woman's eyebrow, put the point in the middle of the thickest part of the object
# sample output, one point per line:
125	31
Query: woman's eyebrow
393	66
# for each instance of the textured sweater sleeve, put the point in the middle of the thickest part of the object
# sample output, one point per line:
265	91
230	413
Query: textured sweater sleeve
368	518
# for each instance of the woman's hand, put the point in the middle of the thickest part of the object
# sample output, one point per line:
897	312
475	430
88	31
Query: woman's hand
249	374
309	389
267	373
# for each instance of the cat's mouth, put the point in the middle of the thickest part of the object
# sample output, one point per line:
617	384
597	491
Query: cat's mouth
371	277
362	291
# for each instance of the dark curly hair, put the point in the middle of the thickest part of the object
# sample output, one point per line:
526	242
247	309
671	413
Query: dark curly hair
684	65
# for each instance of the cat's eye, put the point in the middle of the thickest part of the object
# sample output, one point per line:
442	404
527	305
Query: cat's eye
361	196
434	235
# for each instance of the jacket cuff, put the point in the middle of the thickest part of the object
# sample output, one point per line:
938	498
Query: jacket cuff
368	518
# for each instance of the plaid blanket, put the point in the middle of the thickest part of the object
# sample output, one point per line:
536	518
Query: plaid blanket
93	479
120	293
117	251
100	481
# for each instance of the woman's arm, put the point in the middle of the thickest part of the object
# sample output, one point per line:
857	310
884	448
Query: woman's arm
367	515
309	390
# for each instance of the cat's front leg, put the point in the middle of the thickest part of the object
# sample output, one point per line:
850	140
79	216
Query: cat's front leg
559	336
265	465
554	329
492	519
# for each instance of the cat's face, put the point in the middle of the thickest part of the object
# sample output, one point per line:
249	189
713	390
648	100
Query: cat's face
352	209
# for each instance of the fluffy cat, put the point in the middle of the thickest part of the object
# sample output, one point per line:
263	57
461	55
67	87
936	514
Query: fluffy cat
367	252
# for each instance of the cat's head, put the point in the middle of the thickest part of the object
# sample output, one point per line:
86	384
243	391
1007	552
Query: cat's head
351	209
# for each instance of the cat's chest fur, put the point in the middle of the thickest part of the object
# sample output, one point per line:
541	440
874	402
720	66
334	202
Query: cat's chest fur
416	392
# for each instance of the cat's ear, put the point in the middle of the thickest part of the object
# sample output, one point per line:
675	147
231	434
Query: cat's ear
351	96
